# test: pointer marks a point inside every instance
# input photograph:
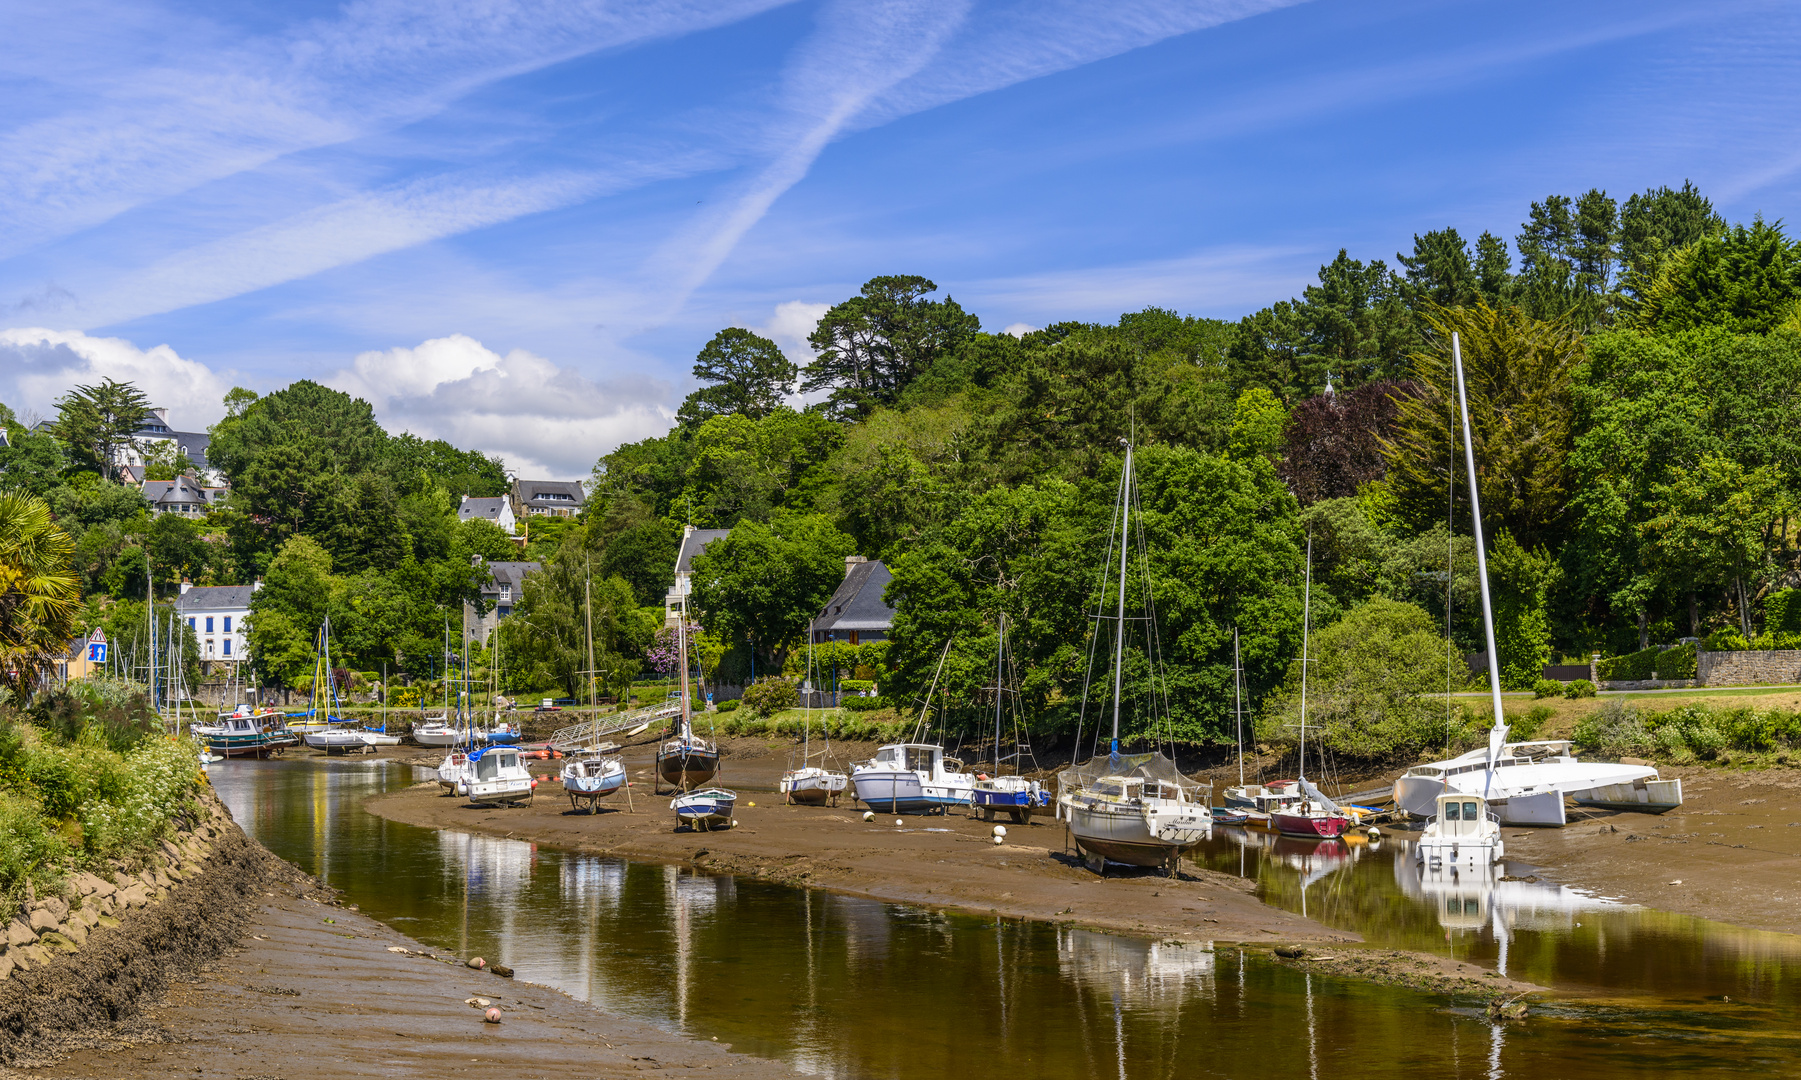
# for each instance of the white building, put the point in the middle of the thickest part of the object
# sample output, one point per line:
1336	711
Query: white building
694	541
218	615
498	510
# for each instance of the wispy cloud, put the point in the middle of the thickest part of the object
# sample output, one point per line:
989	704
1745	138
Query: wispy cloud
1222	282
146	127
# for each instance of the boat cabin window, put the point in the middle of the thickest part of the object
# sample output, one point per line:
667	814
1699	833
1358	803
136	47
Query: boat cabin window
1469	812
1450	811
919	759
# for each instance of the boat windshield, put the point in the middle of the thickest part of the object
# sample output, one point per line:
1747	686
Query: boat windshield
919	758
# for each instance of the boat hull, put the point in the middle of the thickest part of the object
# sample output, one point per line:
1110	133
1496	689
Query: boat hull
581	786
334	742
815	787
258	746
901	791
1123	834
508	789
1644	796
1310	826
441	737
687	768
706	808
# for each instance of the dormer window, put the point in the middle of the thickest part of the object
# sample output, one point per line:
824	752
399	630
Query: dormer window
506	591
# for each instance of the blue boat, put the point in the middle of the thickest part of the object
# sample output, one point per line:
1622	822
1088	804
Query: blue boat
705	808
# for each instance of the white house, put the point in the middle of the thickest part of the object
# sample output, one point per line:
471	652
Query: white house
694	541
218	615
498	510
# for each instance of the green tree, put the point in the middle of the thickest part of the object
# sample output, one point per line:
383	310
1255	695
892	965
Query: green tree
546	638
164	459
750	375
1439	271
1518	372
178	548
287	612
1711	524
1376	689
1743	279
1257	424
765	582
871	347
31	461
1522	581
1658	222
97	422
744	468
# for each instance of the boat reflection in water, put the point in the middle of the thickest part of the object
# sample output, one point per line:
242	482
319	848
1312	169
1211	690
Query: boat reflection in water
1490	897
1142	973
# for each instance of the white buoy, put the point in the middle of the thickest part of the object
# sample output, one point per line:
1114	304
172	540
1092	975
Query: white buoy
869	815
1000	831
898	823
1000	839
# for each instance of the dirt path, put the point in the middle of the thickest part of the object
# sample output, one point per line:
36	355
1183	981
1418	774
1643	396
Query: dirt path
319	994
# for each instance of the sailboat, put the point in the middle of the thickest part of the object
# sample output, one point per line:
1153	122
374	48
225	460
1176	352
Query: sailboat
914	777
1312	815
1241	806
686	761
333	735
1016	794
1136	809
812	785
595	774
1523	783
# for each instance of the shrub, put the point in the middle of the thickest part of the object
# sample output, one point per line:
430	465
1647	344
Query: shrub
1523	728
403	697
1725	639
28	847
856	686
1676	663
728	706
863	704
1580	688
1545	688
1632	667
771	696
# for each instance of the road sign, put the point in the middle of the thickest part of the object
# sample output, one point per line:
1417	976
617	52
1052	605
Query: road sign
96	652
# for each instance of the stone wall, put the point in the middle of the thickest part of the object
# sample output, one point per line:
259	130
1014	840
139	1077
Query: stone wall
1749	667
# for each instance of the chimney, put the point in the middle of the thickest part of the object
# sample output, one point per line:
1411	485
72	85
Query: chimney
185	586
853	560
257	584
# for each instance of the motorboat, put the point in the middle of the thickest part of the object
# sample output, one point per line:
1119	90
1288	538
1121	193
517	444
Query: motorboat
912	778
497	776
1136	809
1264	798
1524	783
1017	795
1230	815
705	808
592	778
1463	833
241	736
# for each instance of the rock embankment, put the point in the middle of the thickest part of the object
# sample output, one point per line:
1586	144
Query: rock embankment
76	964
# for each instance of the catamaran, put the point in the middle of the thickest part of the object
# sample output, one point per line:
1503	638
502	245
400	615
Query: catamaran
1524	783
1136	809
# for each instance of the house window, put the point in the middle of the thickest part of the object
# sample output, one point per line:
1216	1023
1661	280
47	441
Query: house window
190	624
227	646
228	624
506	592
209	624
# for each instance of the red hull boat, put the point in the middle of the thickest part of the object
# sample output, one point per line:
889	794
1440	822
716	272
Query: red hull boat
1315	824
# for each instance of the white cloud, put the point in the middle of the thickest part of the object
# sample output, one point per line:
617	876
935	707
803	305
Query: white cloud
791	325
38	366
1020	329
546	421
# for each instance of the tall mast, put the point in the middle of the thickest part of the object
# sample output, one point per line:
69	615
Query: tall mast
681	638
1306	618
999	648
1119	629
588	619
150	617
1238	702
1498	733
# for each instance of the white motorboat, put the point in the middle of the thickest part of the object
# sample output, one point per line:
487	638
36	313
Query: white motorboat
1524	783
592	778
1463	833
497	776
453	772
1017	795
912	778
1136	809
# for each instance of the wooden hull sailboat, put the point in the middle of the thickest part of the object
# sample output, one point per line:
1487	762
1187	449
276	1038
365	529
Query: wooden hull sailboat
687	762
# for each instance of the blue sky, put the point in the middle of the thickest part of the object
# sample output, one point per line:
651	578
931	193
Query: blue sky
513	223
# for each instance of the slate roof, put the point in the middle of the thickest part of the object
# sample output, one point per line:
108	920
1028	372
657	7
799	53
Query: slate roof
511	573
693	544
488	509
528	493
214	598
172	492
858	603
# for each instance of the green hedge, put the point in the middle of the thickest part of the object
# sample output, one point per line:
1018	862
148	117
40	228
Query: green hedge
1629	668
1676	663
856	686
835	725
729	706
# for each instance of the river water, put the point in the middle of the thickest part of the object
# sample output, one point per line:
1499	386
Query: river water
846	987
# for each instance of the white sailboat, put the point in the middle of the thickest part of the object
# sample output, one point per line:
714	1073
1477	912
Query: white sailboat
1524	783
812	785
1136	809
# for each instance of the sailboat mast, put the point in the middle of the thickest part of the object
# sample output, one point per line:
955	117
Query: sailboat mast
588	619
1306	621
1469	462
1238	702
681	639
999	649
1119	628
